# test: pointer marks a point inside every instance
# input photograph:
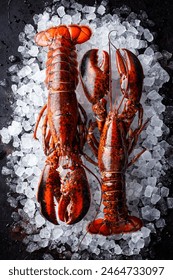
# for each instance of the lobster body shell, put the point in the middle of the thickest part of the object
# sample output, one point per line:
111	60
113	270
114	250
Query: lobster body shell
62	127
63	118
117	139
112	151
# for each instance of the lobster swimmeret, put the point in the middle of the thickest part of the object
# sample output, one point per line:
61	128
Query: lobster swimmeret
117	139
63	177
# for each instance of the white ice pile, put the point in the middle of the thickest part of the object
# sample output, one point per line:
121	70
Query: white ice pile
145	196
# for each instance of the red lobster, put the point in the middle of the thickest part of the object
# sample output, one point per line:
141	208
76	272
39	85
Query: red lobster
63	177
117	139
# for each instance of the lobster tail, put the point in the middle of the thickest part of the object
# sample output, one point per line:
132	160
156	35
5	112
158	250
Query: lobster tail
79	34
74	33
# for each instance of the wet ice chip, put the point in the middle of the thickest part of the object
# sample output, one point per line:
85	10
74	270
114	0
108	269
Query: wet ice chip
152	181
26	141
56	20
164	191
156	121
39	76
40	221
5	136
146	155
44	233
149	213
170	202
88	9
48	257
25	71
28	29
61	11
6	171
101	10
29	205
31	159
149	81
29	193
57	232
15	128
32	247
160	223
148	191
117	249
136	236
33	51
91	16
145	232
140	243
67	19
76	18
120	29
155	198
20	171
148	36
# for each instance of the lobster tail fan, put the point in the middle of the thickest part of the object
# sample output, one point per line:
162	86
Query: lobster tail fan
43	38
79	34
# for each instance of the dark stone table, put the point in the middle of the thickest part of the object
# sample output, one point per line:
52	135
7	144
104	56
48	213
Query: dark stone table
14	15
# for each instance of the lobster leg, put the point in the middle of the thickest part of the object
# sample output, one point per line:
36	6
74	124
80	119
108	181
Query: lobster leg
46	143
38	120
133	138
91	140
82	130
136	158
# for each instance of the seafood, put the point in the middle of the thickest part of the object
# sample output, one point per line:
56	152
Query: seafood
63	179
117	138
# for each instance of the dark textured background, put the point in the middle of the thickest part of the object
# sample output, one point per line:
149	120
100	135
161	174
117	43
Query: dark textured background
21	12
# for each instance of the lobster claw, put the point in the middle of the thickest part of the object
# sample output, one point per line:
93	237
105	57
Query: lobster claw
131	74
95	78
75	196
49	187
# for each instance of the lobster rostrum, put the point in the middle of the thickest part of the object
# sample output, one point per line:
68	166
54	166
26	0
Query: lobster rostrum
117	138
63	179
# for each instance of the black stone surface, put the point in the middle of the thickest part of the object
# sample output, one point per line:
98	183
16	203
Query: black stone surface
14	15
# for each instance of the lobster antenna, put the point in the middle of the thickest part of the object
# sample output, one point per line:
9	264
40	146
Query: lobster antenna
110	64
109	38
110	75
90	224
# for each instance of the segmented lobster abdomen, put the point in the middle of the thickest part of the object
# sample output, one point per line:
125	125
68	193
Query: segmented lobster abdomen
61	72
114	197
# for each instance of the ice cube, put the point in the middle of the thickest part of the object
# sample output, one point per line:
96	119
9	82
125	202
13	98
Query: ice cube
148	36
148	191
15	128
57	232
67	19
101	10
40	221
33	51
25	71
61	11
155	198
44	233
170	202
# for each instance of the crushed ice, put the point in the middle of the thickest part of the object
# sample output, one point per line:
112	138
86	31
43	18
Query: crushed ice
27	160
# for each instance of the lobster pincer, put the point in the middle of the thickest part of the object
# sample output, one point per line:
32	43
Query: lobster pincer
95	82
75	196
69	188
131	81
